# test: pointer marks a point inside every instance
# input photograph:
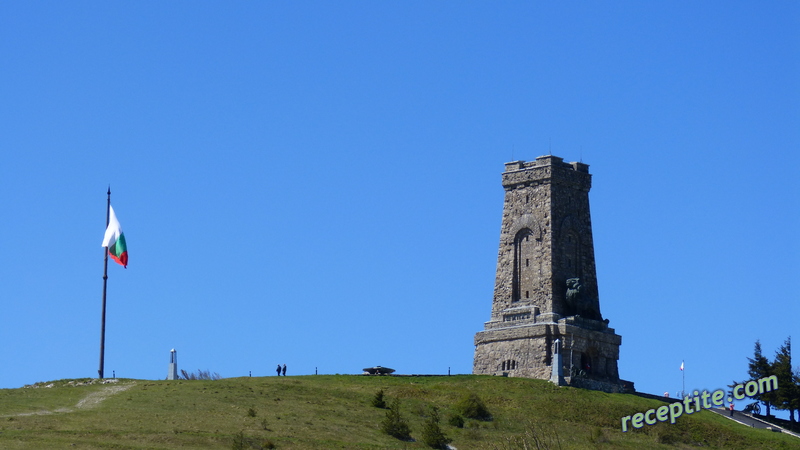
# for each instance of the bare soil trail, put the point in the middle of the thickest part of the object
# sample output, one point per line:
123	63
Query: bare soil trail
90	401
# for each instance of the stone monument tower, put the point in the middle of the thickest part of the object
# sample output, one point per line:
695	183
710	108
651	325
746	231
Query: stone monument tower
546	283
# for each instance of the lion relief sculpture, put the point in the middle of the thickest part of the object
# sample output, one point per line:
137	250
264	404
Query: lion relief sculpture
578	304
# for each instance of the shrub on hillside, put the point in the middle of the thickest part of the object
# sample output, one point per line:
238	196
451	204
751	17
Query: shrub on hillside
472	407
242	442
378	401
200	375
456	421
538	436
394	424
432	434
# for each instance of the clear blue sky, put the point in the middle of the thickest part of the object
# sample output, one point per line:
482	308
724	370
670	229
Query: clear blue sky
318	183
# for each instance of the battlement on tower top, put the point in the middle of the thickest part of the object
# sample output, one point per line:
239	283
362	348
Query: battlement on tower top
547	161
545	169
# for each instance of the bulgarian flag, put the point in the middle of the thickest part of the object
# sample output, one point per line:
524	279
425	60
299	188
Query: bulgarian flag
114	240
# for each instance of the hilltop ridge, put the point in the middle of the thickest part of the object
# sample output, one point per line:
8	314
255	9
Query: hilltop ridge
334	411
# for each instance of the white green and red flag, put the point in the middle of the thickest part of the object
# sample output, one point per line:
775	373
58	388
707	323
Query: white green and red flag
114	240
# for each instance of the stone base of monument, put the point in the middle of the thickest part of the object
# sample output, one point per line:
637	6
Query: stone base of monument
612	387
526	348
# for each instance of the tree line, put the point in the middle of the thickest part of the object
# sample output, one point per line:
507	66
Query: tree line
787	396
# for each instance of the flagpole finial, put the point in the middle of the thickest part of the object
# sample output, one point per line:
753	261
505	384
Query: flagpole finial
109	190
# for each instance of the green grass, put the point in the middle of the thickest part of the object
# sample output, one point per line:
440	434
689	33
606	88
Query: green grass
317	412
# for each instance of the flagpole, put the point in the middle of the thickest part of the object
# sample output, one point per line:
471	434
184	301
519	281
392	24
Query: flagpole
683	375
105	283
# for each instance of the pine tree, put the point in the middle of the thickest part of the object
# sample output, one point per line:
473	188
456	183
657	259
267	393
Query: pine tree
432	434
394	424
758	368
786	395
378	401
797	391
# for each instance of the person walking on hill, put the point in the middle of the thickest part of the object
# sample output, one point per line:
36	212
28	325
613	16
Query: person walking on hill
284	370
279	370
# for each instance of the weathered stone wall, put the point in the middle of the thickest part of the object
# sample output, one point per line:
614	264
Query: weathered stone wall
530	345
545	240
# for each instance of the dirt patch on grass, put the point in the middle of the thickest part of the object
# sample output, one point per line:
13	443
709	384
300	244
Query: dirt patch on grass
95	398
90	401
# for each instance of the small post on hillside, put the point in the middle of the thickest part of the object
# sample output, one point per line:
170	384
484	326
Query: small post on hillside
105	283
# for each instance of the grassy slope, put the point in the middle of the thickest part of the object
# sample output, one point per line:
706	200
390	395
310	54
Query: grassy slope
334	412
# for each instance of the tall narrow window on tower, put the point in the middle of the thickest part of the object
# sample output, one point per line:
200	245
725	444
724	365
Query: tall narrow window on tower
522	252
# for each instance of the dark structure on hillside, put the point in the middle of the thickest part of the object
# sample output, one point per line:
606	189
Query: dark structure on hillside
546	284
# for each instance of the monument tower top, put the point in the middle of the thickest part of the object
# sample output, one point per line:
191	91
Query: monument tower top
546	239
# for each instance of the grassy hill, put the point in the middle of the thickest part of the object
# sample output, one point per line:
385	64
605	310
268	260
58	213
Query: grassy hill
334	411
